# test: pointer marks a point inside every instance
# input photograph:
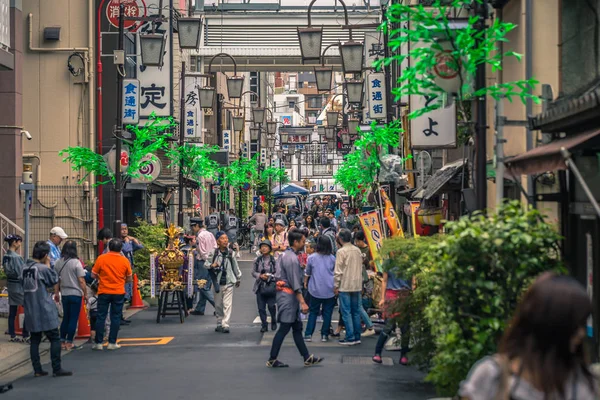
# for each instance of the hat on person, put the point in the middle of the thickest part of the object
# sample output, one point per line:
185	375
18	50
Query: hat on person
196	221
219	234
279	222
58	231
266	242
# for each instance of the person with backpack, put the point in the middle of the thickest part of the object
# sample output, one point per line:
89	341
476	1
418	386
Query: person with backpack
13	265
225	275
265	285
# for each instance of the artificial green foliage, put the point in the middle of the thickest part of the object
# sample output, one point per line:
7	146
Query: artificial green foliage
429	27
277	175
153	237
240	172
88	161
469	284
194	161
361	166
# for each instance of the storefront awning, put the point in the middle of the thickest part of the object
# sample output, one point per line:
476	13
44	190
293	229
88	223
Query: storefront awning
439	179
548	157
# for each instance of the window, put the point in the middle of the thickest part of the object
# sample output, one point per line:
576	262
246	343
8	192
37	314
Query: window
254	85
291	104
315	102
300	85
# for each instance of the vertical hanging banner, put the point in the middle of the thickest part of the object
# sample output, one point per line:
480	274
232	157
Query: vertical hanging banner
372	228
131	101
153	275
192	127
376	95
155	82
263	156
226	145
245	147
391	218
374	48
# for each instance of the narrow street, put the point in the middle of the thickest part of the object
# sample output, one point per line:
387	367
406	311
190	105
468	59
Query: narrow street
200	362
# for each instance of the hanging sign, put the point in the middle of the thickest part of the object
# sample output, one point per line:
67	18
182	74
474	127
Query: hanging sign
245	147
391	218
226	145
263	156
153	275
131	101
190	276
376	95
374	48
435	129
192	109
372	228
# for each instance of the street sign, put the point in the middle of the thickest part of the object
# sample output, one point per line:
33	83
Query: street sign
192	109
376	92
133	8
226	140
131	101
109	158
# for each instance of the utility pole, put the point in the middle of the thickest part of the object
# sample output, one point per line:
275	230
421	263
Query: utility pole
499	151
181	143
481	10
119	129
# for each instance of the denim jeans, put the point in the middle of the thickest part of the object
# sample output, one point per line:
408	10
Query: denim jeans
115	302
71	307
12	315
365	317
315	306
350	307
34	350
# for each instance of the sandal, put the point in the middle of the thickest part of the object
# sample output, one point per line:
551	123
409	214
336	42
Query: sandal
40	373
312	360
14	340
276	364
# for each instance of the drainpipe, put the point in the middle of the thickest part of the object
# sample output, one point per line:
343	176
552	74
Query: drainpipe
529	75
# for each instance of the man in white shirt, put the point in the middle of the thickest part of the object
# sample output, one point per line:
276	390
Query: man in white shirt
205	245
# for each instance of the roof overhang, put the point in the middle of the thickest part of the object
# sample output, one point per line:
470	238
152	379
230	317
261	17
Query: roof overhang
440	179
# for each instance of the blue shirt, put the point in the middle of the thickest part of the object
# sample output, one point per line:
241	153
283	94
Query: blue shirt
394	283
320	269
54	253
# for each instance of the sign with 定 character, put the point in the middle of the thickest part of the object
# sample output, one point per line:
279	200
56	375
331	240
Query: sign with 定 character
131	101
376	92
435	129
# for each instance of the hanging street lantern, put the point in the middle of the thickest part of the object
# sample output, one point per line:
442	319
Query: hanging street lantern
324	78
235	86
254	134
332	118
152	48
330	133
272	127
353	124
271	143
352	57
206	96
354	89
238	123
258	115
189	32
345	138
331	145
310	42
284	138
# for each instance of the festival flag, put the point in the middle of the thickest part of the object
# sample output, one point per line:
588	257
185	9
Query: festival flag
372	228
391	218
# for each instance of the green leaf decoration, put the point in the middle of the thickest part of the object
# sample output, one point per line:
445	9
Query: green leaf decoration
194	161
87	160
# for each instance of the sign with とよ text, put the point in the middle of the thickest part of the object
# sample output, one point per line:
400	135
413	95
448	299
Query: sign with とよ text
155	82
226	145
131	101
435	129
376	92
192	110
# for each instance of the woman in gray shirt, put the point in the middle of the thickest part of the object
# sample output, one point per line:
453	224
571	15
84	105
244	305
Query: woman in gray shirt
541	355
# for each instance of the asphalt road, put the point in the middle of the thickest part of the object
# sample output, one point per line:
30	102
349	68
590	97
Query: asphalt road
198	362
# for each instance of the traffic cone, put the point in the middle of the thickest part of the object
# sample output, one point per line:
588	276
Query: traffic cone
136	297
18	320
83	325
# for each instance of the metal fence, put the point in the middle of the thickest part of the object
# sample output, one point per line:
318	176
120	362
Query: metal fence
70	207
8	227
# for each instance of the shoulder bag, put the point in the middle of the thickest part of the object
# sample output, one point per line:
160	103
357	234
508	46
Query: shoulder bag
268	288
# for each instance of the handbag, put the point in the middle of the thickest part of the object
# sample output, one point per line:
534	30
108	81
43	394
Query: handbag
268	288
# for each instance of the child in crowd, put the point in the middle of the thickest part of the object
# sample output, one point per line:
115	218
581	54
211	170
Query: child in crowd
92	308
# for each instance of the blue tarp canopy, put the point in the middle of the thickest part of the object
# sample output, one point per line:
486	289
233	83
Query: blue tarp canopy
289	188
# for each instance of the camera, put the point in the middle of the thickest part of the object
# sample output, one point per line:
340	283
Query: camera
27	135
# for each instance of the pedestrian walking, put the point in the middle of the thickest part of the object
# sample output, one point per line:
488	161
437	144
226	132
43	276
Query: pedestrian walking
130	246
360	241
258	221
13	265
327	231
290	303
57	235
280	239
264	286
41	314
348	280
542	354
113	271
226	275
319	282
72	289
205	245
279	214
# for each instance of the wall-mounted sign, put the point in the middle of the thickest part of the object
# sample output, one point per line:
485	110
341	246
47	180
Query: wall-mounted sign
245	147
131	101
374	48
150	171
435	129
192	128
226	140
286	120
296	135
376	95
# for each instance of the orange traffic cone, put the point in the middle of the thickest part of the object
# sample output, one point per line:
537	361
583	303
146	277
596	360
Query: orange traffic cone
136	300
19	319
83	325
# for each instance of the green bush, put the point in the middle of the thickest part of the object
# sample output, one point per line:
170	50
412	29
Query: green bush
154	239
469	284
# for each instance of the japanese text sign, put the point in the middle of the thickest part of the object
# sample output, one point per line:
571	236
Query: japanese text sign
192	110
131	101
376	92
245	147
435	129
226	140
374	48
372	228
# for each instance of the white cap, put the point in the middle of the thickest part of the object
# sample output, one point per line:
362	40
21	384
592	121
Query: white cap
279	222
58	231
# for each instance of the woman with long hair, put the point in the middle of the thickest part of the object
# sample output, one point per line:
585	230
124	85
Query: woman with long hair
268	233
309	223
13	265
72	289
541	354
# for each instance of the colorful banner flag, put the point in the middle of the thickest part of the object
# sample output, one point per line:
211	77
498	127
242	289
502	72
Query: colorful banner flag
391	218
372	228
414	207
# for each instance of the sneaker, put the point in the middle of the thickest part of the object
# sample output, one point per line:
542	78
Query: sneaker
403	360
324	338
369	332
274	326
377	359
263	329
357	342
97	347
345	342
113	346
225	330
61	372
196	313
307	339
15	340
219	329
